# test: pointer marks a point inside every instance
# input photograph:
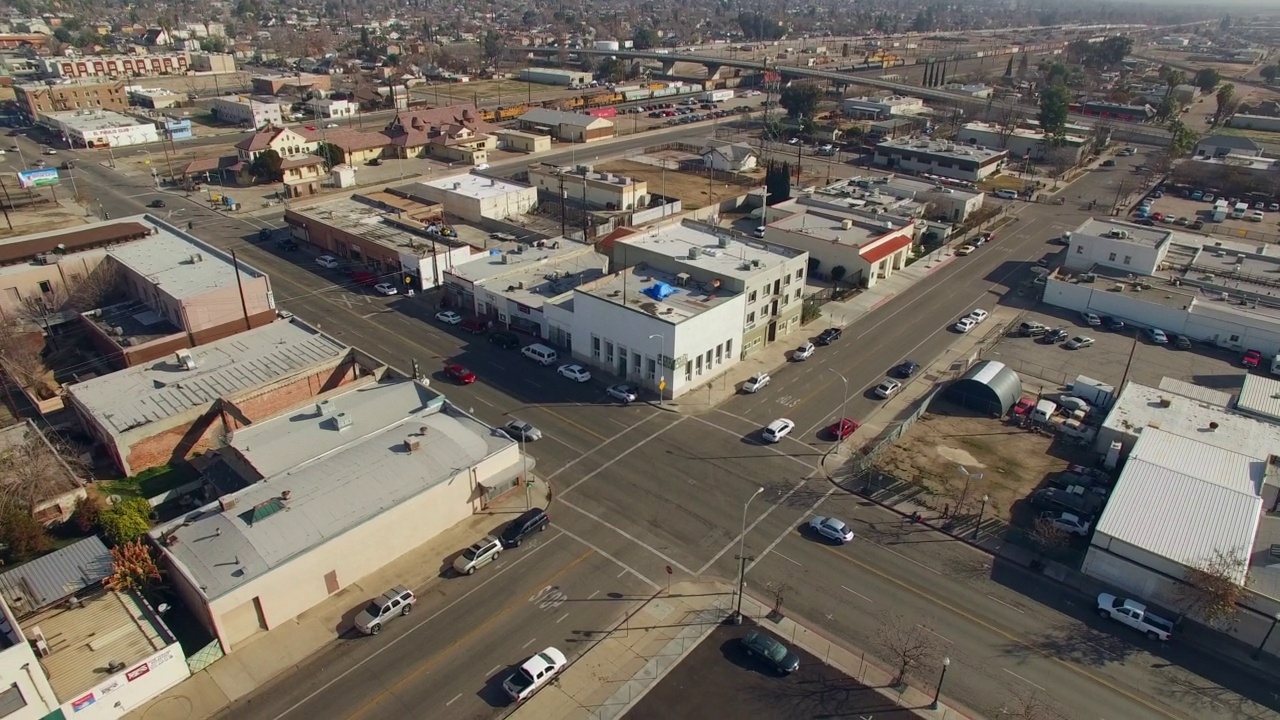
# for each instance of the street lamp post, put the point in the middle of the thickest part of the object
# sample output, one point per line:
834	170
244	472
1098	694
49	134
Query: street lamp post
946	663
978	526
843	405
742	557
662	375
1274	619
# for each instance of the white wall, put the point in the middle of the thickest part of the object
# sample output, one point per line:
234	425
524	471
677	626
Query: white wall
130	688
19	666
299	585
1087	250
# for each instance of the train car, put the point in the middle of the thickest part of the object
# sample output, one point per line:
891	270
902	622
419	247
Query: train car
634	95
489	116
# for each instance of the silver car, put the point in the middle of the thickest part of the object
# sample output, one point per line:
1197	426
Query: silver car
394	603
833	529
478	555
520	430
623	392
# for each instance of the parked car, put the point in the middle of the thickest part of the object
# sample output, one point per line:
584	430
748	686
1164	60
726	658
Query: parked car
843	428
1251	359
623	392
828	336
385	289
1108	163
156	204
505	340
888	388
833	529
1031	328
965	250
804	352
459	374
577	373
761	645
906	368
328	261
534	673
1007	194
964	325
1055	336
756	382
527	523
475	326
480	553
50	151
1090	319
1078	342
394	603
1113	324
1135	615
1196	225
978	315
1182	342
449	317
776	430
1069	523
1157	336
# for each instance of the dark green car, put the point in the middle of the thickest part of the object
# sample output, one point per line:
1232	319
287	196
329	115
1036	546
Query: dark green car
771	651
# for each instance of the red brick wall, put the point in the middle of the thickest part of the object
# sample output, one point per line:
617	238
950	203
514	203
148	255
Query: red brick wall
146	353
204	434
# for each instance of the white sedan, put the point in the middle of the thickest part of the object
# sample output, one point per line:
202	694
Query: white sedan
833	529
448	317
778	429
804	352
385	289
979	315
965	250
965	324
1079	341
575	372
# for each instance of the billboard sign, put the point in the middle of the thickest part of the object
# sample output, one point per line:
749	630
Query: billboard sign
28	179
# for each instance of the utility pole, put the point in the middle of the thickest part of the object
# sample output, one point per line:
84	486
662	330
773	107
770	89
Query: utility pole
1115	206
563	222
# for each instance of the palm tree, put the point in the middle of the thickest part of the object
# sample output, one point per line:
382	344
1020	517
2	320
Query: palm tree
1225	95
1173	80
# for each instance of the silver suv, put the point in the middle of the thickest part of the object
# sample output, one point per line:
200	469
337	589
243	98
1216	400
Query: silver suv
478	555
395	602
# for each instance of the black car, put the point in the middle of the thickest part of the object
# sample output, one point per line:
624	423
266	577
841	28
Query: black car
1055	336
156	204
771	651
1145	222
829	336
505	340
287	245
1113	324
1181	342
1196	225
530	521
906	369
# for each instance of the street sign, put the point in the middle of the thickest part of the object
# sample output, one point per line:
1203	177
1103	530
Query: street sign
28	179
662	385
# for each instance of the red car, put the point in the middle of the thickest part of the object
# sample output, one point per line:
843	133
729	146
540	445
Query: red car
1251	358
459	373
844	428
474	326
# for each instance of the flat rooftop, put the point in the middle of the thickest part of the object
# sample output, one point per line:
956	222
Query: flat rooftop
634	288
862	186
1020	132
535	274
1139	235
1140	407
827	223
1249	162
337	479
138	396
476	186
392	221
108	627
179	264
88	120
720	252
582	172
941	148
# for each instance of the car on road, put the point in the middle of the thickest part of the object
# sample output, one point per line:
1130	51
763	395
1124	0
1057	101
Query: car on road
50	151
529	522
1108	163
520	430
965	324
833	529
1078	342
906	368
449	317
828	336
888	388
287	244
1007	194
1055	336
761	645
480	553
156	204
505	340
1251	359
385	289
534	673
804	352
1090	319
1069	523
1157	336
459	374
1135	615
623	392
776	430
577	373
394	603
979	315
756	383
475	325
843	428
328	262
965	250
14	148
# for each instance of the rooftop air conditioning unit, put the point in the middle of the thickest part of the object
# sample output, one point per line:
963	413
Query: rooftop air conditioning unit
724	241
412	444
342	421
195	258
695	253
324	408
846	224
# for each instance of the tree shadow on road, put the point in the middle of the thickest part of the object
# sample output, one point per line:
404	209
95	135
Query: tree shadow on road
1080	646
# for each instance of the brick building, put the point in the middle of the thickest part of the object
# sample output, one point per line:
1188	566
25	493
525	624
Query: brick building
104	66
37	98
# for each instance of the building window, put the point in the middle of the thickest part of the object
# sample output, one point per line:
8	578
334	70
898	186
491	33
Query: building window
728	348
708	359
688	372
1128	259
595	347
751	298
1111	257
719	354
785	299
45	287
786	280
652	370
751	316
797	293
799	274
1079	249
608	352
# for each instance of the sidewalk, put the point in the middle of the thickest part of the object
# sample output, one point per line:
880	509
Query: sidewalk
286	646
621	667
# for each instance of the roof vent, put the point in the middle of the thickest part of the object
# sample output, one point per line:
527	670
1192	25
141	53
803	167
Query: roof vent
195	258
1213	427
412	444
325	408
1164	402
846	224
341	421
226	503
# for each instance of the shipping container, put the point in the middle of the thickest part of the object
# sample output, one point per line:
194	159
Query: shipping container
717	95
665	92
605	112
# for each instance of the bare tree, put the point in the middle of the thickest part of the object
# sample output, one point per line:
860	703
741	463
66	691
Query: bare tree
37	469
1060	160
1210	589
1047	536
1030	706
909	645
21	357
1005	117
100	287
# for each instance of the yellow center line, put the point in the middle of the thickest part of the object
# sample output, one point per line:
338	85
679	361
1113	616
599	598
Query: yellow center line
434	660
1003	633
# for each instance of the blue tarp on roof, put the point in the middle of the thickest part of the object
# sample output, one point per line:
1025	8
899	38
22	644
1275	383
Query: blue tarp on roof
659	291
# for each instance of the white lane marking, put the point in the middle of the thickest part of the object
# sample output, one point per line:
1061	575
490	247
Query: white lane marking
1024	679
781	501
1011	607
624	572
562	618
486	402
531	640
492	577
592	595
455	699
914	562
493	670
784	557
615	458
625	567
855	592
788	531
768	447
931	631
624	534
534	384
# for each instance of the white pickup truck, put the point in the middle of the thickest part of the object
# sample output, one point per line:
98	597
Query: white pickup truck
1135	615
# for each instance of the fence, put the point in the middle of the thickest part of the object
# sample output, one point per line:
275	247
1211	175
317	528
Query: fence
1242	233
859	473
205	656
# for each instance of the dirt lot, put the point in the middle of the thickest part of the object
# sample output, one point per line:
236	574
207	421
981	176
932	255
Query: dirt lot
690	188
47	216
1011	462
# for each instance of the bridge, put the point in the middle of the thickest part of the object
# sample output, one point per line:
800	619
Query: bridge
1131	132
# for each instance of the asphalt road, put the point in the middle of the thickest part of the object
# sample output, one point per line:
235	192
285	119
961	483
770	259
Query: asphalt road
648	489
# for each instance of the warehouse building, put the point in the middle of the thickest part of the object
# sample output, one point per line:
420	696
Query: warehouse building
556	76
475	198
567	126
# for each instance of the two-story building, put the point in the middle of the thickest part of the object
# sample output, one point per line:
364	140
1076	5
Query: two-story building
454	133
295	150
244	111
848	246
881	108
936	157
581	186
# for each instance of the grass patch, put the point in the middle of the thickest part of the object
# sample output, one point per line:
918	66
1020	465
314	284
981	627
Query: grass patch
1002	182
150	483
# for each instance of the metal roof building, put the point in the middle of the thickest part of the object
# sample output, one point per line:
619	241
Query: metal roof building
56	576
988	387
1260	398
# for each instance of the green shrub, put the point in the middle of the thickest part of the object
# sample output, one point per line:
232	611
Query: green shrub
126	521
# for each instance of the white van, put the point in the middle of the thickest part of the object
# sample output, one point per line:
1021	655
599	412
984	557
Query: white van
540	354
1045	409
1007	194
1239	210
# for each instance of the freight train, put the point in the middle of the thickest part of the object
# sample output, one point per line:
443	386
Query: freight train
600	99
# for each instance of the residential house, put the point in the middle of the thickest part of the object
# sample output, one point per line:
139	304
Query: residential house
455	133
728	156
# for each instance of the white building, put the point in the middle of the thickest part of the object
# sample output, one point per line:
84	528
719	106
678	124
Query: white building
729	156
101	128
581	186
973	90
1119	245
881	108
247	112
333	492
868	246
475	198
331	108
556	76
1021	142
936	157
903	196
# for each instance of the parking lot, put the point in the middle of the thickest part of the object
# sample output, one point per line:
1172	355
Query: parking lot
720	680
1114	357
1192	210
